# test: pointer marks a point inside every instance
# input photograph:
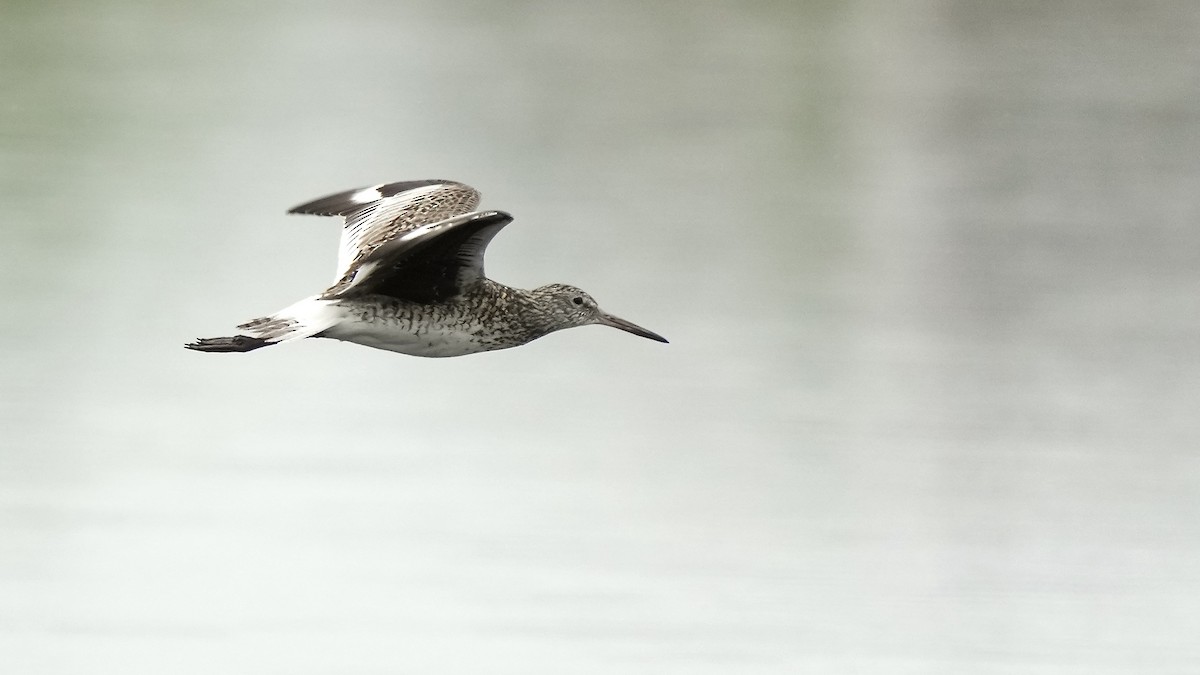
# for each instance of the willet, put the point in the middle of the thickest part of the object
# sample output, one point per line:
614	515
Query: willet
410	279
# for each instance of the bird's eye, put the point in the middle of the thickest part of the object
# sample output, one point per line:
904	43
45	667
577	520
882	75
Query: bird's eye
577	300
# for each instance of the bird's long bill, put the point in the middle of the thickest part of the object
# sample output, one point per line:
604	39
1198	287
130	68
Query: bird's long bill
628	327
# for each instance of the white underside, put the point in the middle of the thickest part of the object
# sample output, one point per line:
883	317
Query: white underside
329	318
430	342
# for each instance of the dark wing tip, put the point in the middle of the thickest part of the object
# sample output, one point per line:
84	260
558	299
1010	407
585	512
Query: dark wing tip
348	201
393	189
338	204
496	216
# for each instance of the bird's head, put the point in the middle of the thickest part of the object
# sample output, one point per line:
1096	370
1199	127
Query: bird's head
569	307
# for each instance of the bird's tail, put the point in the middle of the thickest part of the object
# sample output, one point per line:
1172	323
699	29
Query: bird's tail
306	318
236	343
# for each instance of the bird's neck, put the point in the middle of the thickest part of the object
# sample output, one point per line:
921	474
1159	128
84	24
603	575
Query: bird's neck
523	309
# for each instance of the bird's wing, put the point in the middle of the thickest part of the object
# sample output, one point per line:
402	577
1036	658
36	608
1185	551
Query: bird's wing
378	214
431	263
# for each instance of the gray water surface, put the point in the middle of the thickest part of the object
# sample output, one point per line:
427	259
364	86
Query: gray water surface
931	272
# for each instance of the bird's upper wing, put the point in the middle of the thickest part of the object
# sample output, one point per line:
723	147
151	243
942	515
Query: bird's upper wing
430	263
378	214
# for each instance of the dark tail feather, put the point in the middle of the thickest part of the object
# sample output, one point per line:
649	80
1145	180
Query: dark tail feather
237	343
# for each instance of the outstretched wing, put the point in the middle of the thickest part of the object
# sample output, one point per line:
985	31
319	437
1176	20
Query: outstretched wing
378	214
431	263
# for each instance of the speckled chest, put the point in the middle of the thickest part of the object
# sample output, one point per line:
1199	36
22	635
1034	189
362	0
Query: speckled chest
450	329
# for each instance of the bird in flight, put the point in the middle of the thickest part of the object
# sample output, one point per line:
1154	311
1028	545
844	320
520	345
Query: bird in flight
410	279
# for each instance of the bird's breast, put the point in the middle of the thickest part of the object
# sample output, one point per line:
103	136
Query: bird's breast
410	330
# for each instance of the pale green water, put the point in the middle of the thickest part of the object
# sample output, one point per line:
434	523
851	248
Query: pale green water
931	272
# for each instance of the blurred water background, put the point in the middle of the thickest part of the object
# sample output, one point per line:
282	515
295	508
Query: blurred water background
930	269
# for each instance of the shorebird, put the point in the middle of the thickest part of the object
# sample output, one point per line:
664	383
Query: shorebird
410	279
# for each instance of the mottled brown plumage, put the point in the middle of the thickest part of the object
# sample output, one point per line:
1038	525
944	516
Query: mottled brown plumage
410	279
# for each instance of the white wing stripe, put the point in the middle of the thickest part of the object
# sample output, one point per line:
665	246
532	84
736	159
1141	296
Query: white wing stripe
362	224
